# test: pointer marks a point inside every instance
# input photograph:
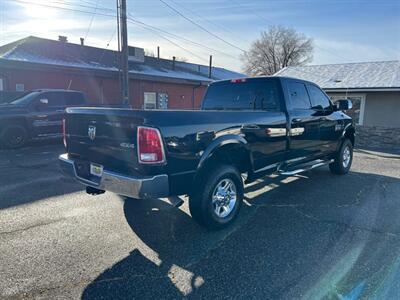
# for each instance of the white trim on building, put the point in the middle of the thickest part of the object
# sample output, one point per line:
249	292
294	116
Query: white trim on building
350	96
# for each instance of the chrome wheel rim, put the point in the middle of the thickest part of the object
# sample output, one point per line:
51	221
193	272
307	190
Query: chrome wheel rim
346	157
224	198
14	138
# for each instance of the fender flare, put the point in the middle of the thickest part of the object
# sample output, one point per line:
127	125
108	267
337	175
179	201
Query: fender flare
220	142
349	127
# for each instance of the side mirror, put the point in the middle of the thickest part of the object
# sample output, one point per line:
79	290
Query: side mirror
41	104
344	104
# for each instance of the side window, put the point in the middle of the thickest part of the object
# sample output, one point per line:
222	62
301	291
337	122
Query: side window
54	100
72	98
298	96
318	98
268	98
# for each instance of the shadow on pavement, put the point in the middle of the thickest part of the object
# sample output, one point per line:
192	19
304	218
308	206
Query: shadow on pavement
318	236
32	173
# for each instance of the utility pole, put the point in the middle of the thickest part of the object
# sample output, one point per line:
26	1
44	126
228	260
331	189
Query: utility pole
124	53
210	67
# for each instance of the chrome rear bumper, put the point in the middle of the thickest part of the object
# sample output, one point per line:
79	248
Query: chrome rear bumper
135	187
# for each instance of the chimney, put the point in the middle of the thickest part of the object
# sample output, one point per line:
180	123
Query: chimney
173	62
210	67
158	52
62	38
82	41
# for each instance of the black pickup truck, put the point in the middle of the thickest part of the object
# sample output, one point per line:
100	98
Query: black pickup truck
38	114
246	128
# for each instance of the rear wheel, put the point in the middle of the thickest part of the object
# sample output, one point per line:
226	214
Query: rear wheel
343	159
218	197
14	136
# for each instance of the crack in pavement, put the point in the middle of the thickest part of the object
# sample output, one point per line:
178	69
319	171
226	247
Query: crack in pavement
32	226
392	234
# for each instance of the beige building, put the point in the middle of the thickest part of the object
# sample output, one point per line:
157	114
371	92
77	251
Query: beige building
373	87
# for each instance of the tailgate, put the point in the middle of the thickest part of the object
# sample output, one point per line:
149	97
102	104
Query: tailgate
105	137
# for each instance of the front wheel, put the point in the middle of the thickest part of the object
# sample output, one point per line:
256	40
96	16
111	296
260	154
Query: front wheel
218	197
343	159
14	136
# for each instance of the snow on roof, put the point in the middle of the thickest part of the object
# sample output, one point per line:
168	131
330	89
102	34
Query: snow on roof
382	74
50	52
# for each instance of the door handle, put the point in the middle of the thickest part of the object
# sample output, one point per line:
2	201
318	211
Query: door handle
251	126
60	110
297	120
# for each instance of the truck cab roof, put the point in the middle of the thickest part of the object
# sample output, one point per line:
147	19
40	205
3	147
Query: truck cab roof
260	78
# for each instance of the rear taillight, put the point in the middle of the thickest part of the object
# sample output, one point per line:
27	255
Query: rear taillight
150	146
63	133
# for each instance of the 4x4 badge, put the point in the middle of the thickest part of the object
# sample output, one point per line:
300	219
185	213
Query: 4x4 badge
92	132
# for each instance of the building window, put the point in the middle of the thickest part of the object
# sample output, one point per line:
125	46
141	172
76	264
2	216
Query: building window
1	84
150	100
20	87
357	112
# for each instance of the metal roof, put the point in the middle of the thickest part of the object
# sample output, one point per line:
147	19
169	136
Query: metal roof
50	52
363	75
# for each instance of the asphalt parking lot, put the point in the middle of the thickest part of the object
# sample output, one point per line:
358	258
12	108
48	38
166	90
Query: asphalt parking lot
311	236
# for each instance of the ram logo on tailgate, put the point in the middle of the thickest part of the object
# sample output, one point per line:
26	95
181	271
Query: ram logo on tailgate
92	132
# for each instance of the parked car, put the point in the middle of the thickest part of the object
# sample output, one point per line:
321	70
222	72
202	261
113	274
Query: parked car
37	114
247	128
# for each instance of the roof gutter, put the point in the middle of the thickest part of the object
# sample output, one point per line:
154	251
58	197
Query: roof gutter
23	65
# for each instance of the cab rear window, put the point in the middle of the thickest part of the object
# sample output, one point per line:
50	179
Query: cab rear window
247	95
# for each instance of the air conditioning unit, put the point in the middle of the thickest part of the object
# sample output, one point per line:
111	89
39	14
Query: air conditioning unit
136	54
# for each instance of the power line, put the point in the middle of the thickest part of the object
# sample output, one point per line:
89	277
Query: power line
153	29
179	37
160	30
224	28
108	15
253	12
148	27
270	22
201	27
62	8
91	20
172	42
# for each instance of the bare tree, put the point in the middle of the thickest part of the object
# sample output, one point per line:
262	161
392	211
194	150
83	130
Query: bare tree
148	52
277	48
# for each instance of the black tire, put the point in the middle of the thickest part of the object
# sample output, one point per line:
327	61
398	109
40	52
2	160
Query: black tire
201	205
343	159
14	136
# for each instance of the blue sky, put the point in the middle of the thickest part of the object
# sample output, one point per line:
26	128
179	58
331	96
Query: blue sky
343	31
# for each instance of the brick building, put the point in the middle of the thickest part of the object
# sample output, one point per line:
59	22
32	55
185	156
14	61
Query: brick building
35	63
